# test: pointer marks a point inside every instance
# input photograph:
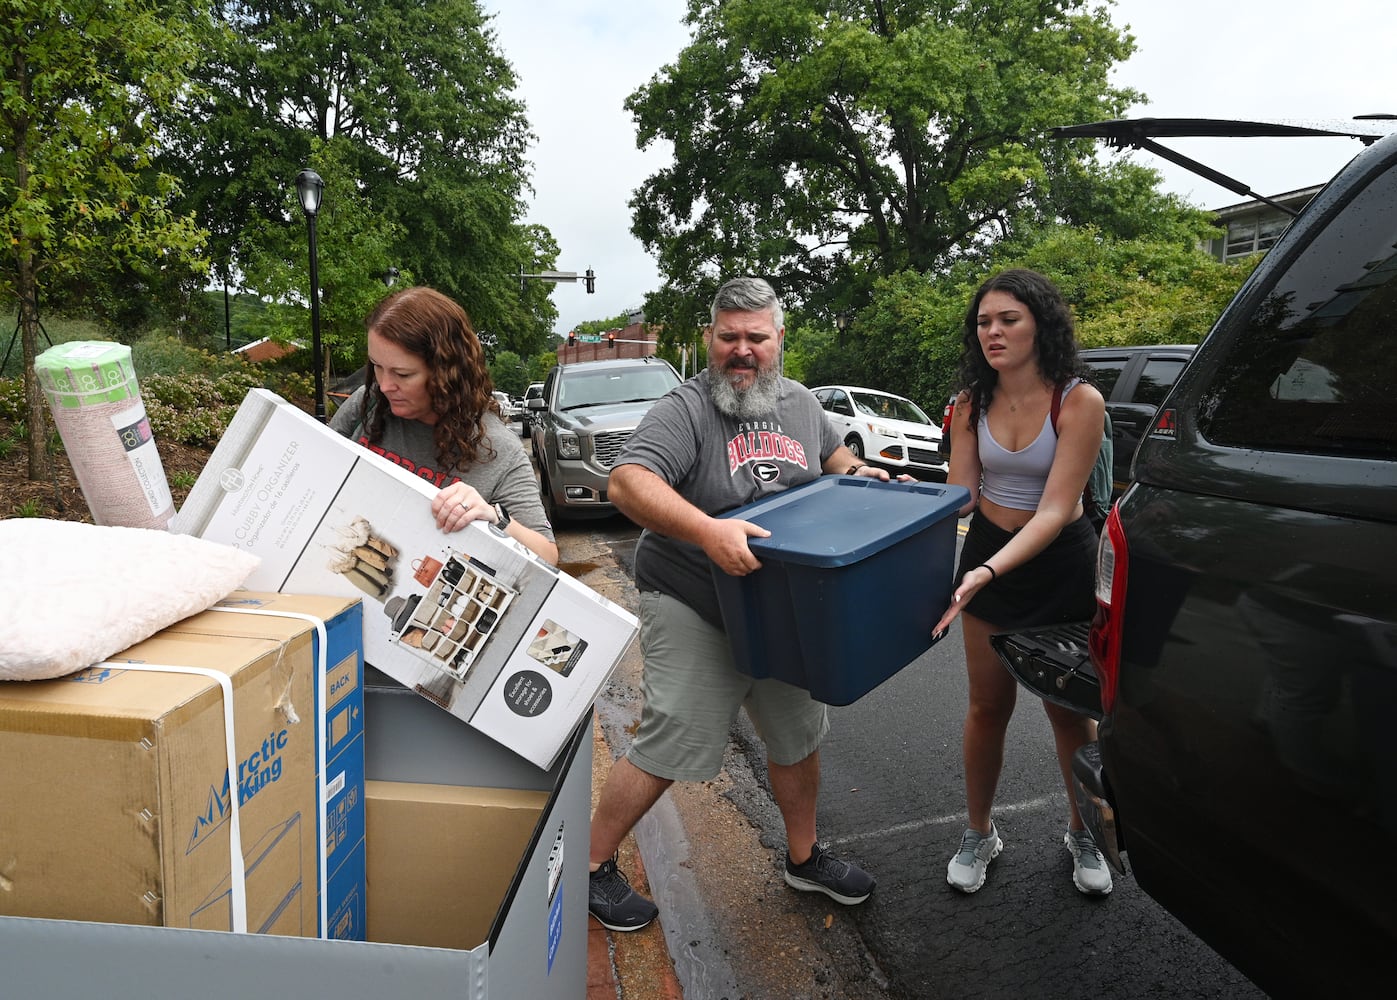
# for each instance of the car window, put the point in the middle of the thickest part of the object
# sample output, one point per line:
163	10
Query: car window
839	403
614	386
1157	378
1105	373
890	408
1314	369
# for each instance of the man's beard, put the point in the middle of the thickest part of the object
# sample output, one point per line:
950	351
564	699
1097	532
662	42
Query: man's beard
757	400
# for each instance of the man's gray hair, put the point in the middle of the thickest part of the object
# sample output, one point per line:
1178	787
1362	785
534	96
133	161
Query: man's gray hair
748	295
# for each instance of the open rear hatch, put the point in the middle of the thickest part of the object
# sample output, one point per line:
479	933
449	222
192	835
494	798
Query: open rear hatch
1052	662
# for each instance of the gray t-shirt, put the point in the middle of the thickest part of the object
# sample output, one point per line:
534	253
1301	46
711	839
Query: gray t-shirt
507	478
718	463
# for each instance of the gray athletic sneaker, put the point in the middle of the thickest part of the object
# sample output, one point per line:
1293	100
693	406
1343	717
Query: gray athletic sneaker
823	872
1089	872
614	903
966	871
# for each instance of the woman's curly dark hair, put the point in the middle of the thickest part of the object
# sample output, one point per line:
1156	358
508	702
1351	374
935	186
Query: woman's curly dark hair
1057	344
426	323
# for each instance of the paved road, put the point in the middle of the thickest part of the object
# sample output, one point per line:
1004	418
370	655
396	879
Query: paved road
892	798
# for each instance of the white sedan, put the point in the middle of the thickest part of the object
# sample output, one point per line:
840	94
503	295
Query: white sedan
883	428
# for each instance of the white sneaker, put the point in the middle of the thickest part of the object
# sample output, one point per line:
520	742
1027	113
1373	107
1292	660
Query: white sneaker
1089	871
966	871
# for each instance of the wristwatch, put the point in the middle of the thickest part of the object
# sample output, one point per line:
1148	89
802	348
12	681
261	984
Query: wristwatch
502	513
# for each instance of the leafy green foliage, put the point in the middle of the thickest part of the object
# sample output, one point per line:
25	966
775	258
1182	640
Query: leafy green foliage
509	373
540	365
406	111
1122	291
79	86
826	146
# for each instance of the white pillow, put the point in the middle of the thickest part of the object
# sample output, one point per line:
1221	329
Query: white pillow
72	594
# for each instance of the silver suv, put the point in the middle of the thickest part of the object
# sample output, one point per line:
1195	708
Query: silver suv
586	413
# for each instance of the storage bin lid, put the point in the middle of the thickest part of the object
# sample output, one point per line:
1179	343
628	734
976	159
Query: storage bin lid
840	520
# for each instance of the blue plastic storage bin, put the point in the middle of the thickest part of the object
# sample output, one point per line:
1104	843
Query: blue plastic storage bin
855	574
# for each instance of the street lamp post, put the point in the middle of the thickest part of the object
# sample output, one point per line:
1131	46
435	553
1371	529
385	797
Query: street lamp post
309	187
841	323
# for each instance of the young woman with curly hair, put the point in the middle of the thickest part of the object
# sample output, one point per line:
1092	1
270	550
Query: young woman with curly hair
1030	551
427	405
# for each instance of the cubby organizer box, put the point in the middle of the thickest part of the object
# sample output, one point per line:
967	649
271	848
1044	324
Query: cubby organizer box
450	624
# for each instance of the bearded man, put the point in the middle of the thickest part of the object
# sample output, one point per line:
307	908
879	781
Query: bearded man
735	433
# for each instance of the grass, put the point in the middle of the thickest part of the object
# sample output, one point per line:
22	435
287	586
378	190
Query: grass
30	508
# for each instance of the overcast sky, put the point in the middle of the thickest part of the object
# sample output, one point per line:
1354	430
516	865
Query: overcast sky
578	60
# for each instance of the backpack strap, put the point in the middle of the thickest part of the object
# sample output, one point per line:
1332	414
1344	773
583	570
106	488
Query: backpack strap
1087	498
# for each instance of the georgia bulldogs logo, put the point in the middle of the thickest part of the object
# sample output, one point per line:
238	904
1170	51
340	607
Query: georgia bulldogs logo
766	472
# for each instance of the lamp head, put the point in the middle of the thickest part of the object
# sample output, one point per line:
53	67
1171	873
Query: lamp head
308	188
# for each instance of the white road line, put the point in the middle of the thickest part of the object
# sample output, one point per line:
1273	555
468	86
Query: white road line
951	819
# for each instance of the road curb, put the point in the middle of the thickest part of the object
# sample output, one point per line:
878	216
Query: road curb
635	965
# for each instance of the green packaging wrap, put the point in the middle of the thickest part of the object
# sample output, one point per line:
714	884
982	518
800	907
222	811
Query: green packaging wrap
96	403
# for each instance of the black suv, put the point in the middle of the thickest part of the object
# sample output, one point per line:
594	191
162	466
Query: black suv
1243	659
1134	381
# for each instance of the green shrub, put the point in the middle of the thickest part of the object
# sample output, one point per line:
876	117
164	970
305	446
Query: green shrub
12	399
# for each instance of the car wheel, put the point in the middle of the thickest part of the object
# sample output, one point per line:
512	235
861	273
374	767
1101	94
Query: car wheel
550	507
855	444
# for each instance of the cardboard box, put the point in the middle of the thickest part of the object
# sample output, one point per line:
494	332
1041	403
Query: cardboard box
119	793
842	549
441	857
339	710
535	903
472	620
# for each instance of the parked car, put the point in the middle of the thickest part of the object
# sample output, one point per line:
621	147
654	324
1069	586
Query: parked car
508	410
526	416
1134	381
1243	658
584	416
883	428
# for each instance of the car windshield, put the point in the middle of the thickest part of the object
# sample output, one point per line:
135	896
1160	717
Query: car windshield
600	388
889	407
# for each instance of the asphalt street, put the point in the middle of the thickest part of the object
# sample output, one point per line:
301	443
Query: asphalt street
892	799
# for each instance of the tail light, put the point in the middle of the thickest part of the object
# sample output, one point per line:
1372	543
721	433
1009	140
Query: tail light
946	416
1112	561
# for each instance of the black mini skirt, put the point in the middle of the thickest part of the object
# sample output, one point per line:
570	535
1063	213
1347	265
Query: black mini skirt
1057	585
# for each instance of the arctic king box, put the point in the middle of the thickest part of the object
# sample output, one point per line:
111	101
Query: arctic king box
471	620
119	784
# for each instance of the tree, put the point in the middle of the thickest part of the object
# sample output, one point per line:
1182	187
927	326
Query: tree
510	373
825	145
80	82
417	99
356	248
1122	291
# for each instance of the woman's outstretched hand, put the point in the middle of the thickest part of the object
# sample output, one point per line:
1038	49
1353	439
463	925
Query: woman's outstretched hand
971	584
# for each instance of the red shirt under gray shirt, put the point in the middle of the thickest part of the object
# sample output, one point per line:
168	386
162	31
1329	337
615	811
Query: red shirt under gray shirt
507	478
718	463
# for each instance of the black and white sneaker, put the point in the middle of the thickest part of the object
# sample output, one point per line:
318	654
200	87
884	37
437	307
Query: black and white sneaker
614	903
839	880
